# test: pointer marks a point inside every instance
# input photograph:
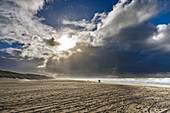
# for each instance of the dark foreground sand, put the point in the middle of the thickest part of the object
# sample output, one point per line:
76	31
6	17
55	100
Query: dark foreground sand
73	96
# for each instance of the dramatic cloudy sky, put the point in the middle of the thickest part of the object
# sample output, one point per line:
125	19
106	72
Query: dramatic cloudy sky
85	37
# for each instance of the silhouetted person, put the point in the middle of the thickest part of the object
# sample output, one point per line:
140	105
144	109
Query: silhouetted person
99	81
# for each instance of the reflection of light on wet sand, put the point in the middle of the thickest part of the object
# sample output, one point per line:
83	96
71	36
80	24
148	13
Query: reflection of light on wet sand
164	82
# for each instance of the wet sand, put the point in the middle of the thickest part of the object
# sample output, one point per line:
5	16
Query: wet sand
78	96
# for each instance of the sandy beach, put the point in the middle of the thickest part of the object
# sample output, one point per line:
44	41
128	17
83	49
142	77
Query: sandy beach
79	96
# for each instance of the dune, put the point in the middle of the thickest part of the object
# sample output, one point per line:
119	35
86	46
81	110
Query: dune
80	96
14	75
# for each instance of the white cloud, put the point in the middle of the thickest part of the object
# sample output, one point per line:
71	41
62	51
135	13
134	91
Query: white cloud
125	15
19	24
11	51
161	38
30	5
83	23
22	24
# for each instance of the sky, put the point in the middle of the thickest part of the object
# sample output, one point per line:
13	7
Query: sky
86	38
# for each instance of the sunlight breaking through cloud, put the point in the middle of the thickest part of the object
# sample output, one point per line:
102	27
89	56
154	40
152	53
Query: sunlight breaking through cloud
66	43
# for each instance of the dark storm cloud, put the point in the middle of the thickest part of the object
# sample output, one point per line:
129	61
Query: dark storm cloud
127	54
132	37
109	61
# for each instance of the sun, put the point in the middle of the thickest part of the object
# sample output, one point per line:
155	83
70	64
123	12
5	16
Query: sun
66	43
